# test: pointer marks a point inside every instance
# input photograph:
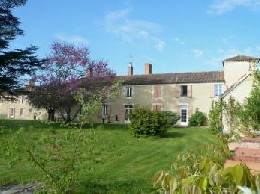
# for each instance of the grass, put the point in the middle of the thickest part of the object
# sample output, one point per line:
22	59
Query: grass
127	163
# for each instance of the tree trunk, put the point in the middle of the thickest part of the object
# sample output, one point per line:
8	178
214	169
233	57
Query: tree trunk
68	118
51	113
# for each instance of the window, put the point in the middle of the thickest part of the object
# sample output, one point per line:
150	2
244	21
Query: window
12	112
128	92
128	110
218	89
157	91
21	112
104	110
157	107
184	91
184	115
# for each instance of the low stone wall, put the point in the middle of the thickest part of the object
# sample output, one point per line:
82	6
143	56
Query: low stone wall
247	151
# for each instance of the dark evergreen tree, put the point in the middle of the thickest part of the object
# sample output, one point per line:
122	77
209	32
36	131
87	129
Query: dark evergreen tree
18	62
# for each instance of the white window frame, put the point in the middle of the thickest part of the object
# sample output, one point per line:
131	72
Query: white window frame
218	89
104	110
128	109
184	109
12	112
129	92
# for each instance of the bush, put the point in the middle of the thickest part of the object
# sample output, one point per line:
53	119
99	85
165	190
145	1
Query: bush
215	116
145	122
172	117
198	119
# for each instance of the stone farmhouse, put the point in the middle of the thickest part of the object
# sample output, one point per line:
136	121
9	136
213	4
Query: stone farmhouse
182	93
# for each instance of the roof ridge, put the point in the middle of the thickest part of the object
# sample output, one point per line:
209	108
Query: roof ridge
175	73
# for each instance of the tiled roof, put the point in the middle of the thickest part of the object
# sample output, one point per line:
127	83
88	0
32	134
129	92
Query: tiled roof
242	58
174	78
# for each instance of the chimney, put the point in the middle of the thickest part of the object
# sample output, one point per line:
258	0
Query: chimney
130	69
148	69
89	72
31	82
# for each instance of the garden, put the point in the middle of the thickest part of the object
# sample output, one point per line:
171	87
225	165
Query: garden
110	161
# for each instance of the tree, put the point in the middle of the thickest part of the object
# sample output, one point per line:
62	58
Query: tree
69	68
18	62
251	114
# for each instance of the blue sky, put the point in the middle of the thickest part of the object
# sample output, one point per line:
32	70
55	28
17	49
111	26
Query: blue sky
173	35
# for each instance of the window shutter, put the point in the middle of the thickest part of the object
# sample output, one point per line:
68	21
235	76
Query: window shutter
122	114
178	112
159	91
190	110
124	91
190	91
177	91
157	107
212	91
100	114
109	110
155	91
177	109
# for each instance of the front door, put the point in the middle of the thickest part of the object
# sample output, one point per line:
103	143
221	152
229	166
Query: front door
184	115
128	110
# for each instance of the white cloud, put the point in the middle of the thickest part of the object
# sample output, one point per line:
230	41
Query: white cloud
75	39
120	24
159	45
178	41
214	61
222	6
197	52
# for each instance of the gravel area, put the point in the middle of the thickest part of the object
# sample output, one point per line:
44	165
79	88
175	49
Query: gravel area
20	189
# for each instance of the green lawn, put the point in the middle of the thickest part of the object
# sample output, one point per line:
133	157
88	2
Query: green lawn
127	164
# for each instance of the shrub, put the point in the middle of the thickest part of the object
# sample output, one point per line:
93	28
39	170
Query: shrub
198	119
145	122
215	116
172	117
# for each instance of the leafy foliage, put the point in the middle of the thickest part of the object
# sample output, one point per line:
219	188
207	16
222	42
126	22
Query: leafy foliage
239	118
69	68
145	122
215	116
172	117
251	114
18	62
232	111
205	173
56	154
117	149
198	119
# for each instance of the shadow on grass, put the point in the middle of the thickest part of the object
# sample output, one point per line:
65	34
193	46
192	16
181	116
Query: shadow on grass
173	134
129	186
